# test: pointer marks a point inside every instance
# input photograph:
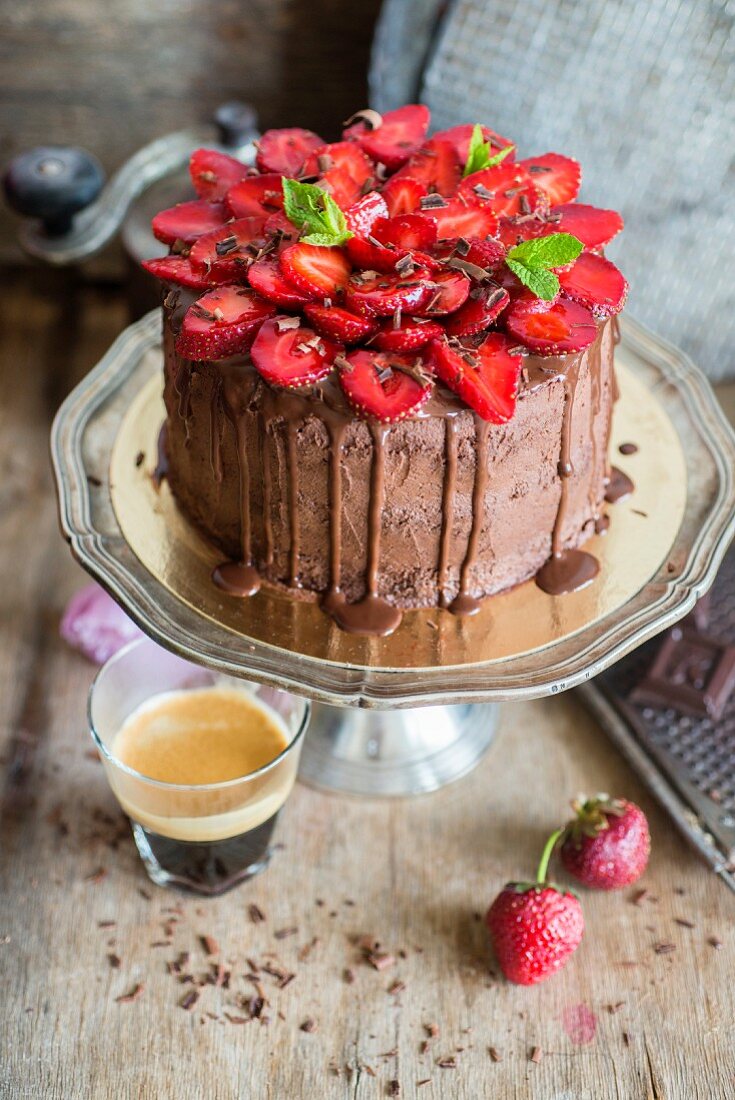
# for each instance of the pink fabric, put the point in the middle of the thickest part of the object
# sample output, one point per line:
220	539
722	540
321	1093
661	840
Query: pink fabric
96	625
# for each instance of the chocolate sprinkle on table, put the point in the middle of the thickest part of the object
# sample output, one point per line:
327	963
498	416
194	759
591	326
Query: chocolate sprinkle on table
133	995
189	1000
536	1055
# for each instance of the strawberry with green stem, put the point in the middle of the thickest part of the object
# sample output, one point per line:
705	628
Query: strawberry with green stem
607	844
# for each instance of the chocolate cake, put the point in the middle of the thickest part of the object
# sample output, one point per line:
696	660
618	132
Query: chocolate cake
389	373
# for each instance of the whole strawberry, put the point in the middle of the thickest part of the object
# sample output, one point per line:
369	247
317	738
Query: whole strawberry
607	844
535	926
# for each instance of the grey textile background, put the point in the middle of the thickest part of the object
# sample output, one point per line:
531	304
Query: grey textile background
642	93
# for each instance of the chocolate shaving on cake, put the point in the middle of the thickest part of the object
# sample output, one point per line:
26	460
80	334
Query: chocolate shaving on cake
283	324
524	205
406	265
482	192
227	244
325	162
537	169
416	371
473	270
384	374
371	118
462	246
342	363
433	202
397	317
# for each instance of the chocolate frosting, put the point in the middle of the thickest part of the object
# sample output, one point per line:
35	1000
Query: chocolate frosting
443	509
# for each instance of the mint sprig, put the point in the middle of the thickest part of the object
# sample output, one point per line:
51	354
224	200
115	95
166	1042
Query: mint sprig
533	260
310	207
479	154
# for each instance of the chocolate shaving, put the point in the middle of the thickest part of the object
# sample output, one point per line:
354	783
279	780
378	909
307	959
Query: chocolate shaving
433	202
283	933
114	961
684	922
135	993
524	205
371	118
537	169
283	324
348	975
236	1019
309	1025
664	948
447	1063
227	244
482	192
325	162
394	1088
380	960
473	270
432	1030
714	942
342	363
536	1055
210	945
406	265
396	987
495	1054
189	1000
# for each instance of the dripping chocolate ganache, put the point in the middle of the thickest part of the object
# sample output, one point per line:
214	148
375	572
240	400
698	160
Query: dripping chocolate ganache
414	412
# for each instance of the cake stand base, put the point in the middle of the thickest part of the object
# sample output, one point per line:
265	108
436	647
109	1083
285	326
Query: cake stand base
393	753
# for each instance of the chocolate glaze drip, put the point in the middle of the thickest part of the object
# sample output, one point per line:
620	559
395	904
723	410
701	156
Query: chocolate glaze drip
619	486
267	424
464	602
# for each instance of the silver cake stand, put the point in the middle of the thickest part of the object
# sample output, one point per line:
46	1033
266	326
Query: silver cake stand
412	712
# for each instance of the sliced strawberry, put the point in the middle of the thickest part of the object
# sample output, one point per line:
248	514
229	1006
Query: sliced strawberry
522	299
339	324
255	196
406	231
176	269
278	225
362	215
382	386
187	221
403	195
316	271
593	227
464	219
561	328
506	189
224	254
213	173
266	277
478	312
372	256
459	137
559	177
411	333
486	378
221	323
449	290
596	283
382	295
489	254
399	136
512	231
341	186
436	166
341	154
290	356
286	151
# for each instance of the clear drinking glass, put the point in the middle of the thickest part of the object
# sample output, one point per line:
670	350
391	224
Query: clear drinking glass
205	838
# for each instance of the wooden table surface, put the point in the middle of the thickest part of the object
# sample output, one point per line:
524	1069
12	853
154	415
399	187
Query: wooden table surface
81	927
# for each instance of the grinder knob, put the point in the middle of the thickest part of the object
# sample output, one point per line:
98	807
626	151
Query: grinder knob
53	183
236	122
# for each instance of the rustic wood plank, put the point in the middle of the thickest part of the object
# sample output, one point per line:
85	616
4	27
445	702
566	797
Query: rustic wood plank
111	78
415	874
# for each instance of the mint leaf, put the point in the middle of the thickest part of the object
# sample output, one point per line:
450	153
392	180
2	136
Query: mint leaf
309	207
479	155
532	261
544	284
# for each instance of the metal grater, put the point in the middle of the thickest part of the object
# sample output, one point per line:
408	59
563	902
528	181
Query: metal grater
642	94
689	762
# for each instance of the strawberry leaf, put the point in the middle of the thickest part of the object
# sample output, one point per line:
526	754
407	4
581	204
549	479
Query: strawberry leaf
479	155
533	260
309	207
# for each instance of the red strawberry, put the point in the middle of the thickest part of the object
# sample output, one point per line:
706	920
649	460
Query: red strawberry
607	845
176	269
435	165
372	256
477	312
342	187
384	387
341	154
559	328
339	324
559	177
399	135
278	225
514	230
464	219
286	151
411	333
266	277
224	254
287	353
316	271
506	189
535	926
594	227
596	283
403	195
221	323
449	290
382	295
256	196
362	215
486	378
213	173
459	137
488	254
406	231
187	221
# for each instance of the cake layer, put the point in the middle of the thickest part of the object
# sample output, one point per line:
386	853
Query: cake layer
440	510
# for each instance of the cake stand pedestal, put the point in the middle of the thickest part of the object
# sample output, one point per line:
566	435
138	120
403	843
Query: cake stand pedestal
411	712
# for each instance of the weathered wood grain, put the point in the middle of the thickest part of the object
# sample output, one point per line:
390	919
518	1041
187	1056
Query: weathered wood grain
414	874
111	77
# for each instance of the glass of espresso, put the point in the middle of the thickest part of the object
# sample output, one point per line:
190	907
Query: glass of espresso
200	762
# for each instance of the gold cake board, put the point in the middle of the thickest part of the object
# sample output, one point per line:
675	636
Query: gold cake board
513	624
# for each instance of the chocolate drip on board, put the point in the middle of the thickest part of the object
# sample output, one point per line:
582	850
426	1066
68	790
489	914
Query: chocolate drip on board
464	603
619	486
